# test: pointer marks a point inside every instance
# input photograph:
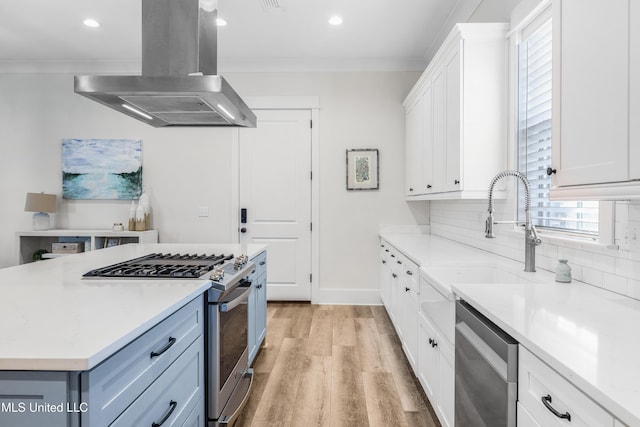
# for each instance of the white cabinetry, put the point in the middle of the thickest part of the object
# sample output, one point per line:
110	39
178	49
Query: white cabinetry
550	400
399	291
385	275
596	100
456	115
436	356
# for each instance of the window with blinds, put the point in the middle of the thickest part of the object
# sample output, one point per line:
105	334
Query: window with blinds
534	138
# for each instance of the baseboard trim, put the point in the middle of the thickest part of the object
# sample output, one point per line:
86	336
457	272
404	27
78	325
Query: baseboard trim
346	296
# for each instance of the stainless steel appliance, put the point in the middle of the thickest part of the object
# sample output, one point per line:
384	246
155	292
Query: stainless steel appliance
229	377
486	388
179	85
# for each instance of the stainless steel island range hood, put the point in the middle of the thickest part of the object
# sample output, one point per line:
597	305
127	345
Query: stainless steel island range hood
179	85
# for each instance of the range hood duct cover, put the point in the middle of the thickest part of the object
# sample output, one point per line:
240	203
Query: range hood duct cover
179	85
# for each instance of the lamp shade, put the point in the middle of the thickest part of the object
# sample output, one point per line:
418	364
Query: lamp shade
40	202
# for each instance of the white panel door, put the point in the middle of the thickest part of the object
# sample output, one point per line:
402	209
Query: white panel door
275	188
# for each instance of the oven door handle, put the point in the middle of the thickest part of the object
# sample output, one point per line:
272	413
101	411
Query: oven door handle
228	306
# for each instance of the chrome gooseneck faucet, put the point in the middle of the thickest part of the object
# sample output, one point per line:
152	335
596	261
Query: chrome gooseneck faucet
530	235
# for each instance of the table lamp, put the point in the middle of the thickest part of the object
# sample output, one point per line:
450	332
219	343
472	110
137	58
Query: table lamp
42	204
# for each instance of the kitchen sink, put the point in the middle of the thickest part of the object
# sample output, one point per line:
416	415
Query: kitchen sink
443	277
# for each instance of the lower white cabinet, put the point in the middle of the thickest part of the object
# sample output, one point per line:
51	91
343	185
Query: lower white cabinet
385	275
551	400
524	417
436	372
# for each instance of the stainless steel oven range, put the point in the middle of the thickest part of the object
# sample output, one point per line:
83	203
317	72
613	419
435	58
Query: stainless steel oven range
227	373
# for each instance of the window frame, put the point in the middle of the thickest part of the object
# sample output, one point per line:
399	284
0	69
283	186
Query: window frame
526	19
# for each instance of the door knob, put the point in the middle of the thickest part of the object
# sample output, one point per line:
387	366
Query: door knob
243	230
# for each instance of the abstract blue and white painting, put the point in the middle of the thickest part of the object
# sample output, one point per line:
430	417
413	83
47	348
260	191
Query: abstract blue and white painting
101	169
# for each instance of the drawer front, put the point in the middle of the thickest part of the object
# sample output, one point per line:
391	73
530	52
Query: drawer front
196	418
260	261
537	380
524	417
113	385
173	396
440	310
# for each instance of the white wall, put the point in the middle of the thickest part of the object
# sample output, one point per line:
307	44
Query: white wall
184	168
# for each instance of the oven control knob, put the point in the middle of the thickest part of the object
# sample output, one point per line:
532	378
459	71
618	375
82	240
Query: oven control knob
240	261
217	275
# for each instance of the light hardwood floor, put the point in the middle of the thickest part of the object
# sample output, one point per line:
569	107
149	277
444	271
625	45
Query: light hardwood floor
335	366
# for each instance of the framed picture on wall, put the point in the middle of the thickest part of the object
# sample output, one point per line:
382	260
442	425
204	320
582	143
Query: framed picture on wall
362	169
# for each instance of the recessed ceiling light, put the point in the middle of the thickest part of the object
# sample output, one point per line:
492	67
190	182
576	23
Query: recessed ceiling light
335	20
91	23
221	22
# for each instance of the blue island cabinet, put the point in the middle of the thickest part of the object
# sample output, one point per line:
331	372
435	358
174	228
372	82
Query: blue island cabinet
157	377
257	328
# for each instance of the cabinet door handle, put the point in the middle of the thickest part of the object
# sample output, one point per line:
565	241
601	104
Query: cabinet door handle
546	400
263	262
435	344
172	407
393	256
409	272
428	185
166	347
456	182
431	341
386	250
384	262
407	289
551	171
411	189
399	262
394	275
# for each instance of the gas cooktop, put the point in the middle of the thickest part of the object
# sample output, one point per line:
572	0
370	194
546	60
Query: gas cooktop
162	266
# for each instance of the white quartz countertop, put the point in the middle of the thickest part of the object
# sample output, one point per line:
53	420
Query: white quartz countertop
587	334
52	319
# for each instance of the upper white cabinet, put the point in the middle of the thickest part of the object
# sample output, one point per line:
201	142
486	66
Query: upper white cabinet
456	116
596	100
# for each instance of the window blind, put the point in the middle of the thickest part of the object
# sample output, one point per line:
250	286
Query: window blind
534	139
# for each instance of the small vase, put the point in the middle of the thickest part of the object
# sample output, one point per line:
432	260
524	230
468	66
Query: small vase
563	272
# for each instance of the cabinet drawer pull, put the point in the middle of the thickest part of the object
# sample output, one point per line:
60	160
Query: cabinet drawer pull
456	181
551	171
166	347
409	272
393	256
386	250
546	400
394	275
172	407
384	262
428	185
263	262
407	289
399	262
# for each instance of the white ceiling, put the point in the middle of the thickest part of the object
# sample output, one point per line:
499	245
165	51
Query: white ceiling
46	35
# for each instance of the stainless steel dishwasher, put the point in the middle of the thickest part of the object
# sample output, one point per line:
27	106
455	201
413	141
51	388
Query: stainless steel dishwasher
486	388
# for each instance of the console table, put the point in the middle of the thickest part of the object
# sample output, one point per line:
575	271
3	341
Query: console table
28	242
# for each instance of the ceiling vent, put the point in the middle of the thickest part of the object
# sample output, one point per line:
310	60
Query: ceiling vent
270	4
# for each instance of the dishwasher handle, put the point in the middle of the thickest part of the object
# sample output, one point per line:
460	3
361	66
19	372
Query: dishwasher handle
500	346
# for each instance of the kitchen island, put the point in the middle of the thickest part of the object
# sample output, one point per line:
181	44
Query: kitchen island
58	328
